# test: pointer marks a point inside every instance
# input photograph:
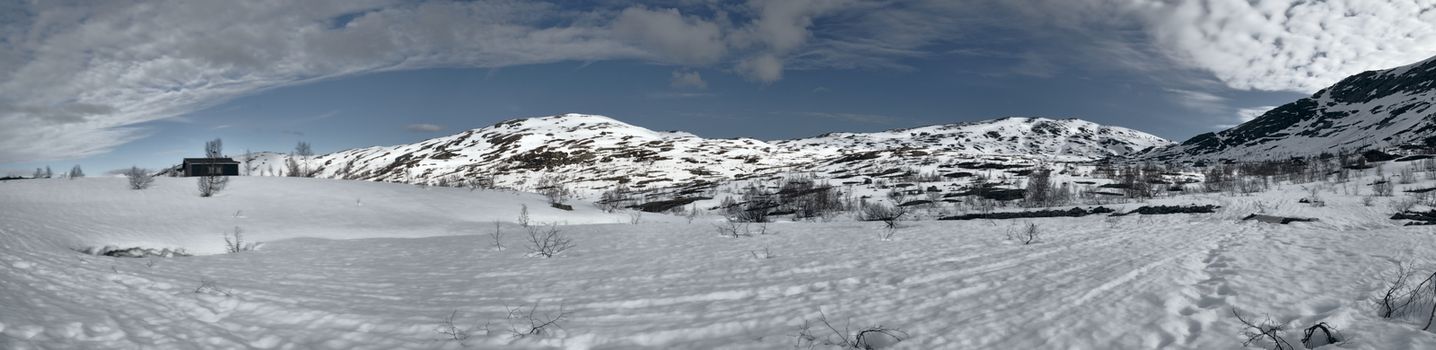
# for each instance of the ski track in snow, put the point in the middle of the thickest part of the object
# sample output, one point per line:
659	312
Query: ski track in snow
1133	282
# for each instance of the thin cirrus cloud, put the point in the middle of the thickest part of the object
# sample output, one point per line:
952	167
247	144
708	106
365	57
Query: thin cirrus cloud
78	79
424	127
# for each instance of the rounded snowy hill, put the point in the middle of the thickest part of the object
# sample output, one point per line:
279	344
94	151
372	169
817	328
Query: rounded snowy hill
1007	136
592	153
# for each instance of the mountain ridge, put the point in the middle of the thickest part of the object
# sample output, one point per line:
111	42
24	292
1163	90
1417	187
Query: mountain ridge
1372	109
594	152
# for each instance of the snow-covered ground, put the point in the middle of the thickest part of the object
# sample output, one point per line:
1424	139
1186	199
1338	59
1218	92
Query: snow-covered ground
383	266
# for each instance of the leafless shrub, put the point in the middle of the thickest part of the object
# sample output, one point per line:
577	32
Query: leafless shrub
1404	204
1028	235
1382	187
635	217
1408	176
139	178
497	236
874	337
548	241
234	242
537	324
1313	196
887	232
1368	201
1267	330
208	286
889	215
452	331
1310	339
554	188
1391	300
614	198
296	168
733	228
691	214
210	185
1404	301
523	219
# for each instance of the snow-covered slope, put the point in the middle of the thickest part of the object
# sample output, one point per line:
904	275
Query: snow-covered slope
1072	138
427	266
595	152
1369	110
100	212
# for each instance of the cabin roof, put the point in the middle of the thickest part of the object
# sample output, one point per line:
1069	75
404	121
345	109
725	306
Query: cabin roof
209	160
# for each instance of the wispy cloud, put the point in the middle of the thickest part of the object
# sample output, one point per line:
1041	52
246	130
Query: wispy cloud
856	117
1244	115
687	79
60	97
1198	100
674	94
423	127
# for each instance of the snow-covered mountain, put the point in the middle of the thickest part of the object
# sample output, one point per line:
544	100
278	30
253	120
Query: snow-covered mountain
1073	138
1374	109
593	152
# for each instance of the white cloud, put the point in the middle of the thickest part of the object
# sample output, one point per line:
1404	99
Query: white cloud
76	79
1247	114
671	35
856	117
1244	115
423	127
1198	100
1291	45
687	79
765	68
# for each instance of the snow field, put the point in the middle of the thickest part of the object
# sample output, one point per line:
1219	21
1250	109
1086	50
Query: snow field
333	274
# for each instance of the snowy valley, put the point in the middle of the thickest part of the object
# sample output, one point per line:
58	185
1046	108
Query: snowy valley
1310	226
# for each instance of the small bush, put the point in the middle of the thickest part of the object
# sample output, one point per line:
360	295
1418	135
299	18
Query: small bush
1267	330
234	242
209	286
139	178
548	241
874	337
1027	235
497	236
889	215
537	324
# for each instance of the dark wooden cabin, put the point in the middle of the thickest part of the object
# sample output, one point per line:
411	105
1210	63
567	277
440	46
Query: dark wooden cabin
209	167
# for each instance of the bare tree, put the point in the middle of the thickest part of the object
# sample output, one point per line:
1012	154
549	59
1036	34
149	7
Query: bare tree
889	215
869	338
497	236
548	241
523	215
214	149
75	172
1267	330
538	325
211	183
294	166
234	243
139	178
1030	234
249	158
39	173
303	149
48	173
555	189
453	332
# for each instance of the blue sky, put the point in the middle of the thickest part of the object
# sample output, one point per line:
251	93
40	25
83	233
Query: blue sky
135	83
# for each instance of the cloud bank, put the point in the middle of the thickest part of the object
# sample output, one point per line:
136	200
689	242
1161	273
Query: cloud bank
78	79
